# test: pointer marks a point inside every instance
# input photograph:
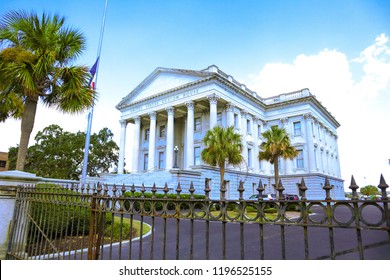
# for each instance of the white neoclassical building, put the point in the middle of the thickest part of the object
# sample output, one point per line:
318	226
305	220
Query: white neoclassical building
172	109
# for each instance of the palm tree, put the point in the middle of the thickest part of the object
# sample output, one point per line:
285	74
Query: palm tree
36	65
277	144
223	146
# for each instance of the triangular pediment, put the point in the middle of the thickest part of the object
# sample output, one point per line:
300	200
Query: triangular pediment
161	80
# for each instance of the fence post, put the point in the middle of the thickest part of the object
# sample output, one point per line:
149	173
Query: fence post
92	229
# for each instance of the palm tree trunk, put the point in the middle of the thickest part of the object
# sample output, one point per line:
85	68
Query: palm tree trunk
276	170
27	126
222	179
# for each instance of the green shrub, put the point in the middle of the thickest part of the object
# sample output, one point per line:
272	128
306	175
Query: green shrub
116	228
158	205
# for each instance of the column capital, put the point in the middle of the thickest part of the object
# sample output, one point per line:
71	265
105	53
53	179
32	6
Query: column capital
308	116
170	110
152	115
243	113
230	107
137	119
256	120
284	120
190	105
213	98
123	123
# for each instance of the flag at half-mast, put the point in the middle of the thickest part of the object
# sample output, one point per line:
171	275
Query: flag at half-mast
94	69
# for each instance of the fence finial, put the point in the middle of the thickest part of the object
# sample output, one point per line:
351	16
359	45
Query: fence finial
303	188
132	190
241	190
354	188
192	190
260	189
166	190
383	186
327	187
143	190
154	190
178	189
207	189
280	189
223	190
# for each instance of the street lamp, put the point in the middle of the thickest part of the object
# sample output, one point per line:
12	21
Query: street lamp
176	150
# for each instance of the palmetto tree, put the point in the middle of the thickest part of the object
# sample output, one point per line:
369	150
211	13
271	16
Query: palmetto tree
276	145
223	146
36	59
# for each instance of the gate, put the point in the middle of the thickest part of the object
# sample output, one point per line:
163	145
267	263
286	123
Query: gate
82	222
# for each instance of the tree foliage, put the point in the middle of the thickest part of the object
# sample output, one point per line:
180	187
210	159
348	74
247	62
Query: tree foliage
223	146
276	145
369	190
36	64
59	154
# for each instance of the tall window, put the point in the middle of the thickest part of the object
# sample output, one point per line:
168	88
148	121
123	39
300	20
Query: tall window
147	133
297	129
258	131
162	131
249	157
161	160
197	156
248	126
198	124
219	119
300	159
235	120
146	161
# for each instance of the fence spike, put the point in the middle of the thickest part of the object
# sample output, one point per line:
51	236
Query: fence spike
191	190
166	190
280	189
241	190
154	190
207	189
178	189
132	190
143	190
260	190
114	190
354	188
223	190
383	186
327	187
303	189
123	189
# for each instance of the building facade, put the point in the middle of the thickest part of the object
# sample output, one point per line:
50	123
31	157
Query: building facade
172	109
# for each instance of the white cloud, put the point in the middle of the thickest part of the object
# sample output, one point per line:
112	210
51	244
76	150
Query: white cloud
356	102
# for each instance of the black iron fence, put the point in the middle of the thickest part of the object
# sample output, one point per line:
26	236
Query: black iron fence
83	222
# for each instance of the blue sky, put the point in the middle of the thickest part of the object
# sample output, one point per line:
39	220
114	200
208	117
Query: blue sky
340	50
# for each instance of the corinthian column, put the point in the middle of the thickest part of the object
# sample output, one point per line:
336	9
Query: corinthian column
170	138
122	145
213	110
190	135
243	135
137	134
256	166
289	162
310	145
152	140
230	114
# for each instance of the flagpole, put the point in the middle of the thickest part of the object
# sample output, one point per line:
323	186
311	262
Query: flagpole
90	114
